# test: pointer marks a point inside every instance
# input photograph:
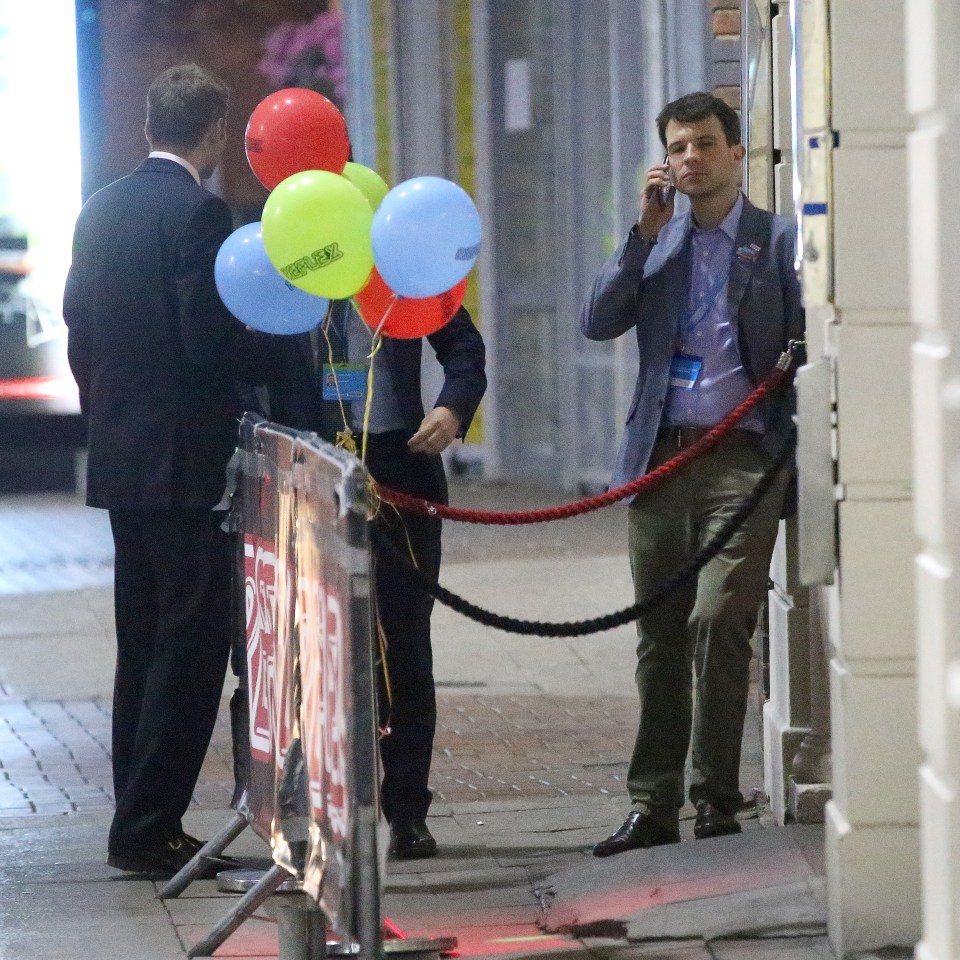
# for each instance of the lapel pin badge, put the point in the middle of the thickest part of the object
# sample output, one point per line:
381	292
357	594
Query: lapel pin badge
748	252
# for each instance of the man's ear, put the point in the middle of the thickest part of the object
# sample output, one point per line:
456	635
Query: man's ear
739	151
218	132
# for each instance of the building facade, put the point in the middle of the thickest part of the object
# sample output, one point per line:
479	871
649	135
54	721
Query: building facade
544	110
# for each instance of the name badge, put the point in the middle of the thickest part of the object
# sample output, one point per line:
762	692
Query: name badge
344	381
684	371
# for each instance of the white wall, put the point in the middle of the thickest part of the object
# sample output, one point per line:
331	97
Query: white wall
857	292
933	191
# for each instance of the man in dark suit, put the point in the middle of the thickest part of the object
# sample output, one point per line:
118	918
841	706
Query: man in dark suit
403	452
155	354
713	299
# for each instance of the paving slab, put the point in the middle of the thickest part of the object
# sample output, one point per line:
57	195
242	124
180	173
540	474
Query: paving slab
763	912
603	949
793	948
681	881
102	920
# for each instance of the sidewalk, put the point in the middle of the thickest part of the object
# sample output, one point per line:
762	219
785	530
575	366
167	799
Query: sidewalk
529	771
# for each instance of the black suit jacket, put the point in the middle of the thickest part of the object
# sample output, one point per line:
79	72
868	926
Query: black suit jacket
295	394
153	349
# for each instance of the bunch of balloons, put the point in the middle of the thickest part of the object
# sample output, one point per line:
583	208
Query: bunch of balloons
332	229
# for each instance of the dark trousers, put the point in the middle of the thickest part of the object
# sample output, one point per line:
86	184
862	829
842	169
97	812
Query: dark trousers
409	707
172	605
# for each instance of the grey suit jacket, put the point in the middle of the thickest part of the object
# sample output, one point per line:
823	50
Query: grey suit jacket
644	288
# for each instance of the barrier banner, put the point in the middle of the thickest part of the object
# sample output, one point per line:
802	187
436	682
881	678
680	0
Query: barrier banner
338	725
257	538
276	807
312	783
276	446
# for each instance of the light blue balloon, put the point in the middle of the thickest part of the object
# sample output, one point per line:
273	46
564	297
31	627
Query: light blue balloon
256	293
425	236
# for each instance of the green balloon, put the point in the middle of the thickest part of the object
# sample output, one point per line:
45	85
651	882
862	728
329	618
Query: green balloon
316	231
367	181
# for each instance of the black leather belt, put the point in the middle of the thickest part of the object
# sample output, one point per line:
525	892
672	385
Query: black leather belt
681	437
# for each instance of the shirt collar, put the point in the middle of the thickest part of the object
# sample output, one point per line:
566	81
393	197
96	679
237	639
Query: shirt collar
730	223
161	155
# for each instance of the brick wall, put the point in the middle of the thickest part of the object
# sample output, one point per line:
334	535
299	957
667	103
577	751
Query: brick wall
725	52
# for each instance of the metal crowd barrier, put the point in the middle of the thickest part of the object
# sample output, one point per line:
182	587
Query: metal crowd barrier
311	789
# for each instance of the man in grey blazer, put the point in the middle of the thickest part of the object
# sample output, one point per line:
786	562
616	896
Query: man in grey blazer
713	299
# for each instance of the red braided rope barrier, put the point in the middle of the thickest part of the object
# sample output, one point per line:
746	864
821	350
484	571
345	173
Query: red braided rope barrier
705	444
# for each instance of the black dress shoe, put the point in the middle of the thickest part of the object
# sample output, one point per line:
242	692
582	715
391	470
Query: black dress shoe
411	840
162	859
221	860
639	830
156	860
714	821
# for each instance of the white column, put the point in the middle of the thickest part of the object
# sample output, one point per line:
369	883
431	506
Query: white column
786	714
872	831
933	84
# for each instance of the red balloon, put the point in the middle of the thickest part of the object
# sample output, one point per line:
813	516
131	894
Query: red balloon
407	318
294	130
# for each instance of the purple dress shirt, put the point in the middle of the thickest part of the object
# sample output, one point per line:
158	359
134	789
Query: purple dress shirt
723	383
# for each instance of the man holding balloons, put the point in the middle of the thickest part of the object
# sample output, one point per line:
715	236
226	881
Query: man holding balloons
402	452
356	275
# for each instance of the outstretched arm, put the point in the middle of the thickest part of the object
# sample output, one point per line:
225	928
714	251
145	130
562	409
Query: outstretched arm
461	352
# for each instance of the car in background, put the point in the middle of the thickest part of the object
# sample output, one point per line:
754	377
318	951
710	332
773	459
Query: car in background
34	375
41	431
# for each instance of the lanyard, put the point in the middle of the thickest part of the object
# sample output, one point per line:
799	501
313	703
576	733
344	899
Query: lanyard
698	316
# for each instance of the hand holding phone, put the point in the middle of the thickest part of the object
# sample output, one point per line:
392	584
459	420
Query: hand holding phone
656	202
665	194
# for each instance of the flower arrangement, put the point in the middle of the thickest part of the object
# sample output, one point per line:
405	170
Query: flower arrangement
309	55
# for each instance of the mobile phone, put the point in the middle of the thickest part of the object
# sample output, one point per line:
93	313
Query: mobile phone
665	194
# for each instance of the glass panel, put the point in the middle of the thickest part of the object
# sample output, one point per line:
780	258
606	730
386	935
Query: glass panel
758	101
813	149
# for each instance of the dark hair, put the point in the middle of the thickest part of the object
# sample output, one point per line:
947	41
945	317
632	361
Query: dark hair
182	104
698	106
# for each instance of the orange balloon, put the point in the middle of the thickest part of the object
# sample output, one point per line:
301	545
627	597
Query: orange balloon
407	318
294	130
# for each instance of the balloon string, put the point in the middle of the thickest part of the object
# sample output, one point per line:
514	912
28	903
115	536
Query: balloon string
377	344
344	436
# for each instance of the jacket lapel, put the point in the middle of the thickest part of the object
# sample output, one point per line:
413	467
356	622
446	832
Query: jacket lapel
753	237
671	256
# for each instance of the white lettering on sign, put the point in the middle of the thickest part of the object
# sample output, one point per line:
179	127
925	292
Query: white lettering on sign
282	700
324	706
259	563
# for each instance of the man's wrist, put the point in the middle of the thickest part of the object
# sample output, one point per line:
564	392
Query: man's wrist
643	237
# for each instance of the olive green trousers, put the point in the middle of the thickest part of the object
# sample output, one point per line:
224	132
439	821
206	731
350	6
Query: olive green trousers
700	635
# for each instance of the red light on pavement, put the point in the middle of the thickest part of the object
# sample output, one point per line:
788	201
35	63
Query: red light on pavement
391	931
